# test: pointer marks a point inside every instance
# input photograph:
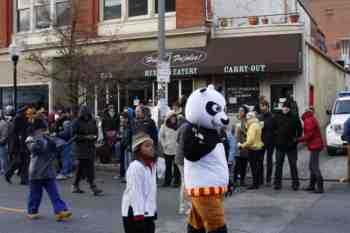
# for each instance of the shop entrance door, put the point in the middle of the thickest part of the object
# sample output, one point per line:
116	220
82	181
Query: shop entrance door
279	91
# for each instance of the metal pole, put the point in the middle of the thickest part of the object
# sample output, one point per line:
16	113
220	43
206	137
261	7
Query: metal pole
15	61
162	57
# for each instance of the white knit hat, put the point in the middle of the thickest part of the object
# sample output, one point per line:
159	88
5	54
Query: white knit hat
138	139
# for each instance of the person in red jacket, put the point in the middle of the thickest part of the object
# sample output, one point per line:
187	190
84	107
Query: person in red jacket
313	138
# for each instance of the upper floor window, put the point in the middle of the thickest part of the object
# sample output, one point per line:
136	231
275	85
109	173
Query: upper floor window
138	7
23	15
112	9
34	15
170	6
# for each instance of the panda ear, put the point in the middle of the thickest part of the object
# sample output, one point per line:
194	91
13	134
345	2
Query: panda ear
203	90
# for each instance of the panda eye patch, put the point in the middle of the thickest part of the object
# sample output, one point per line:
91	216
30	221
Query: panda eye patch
213	108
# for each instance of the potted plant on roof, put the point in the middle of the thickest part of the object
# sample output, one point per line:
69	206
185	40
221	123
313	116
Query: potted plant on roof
253	20
294	17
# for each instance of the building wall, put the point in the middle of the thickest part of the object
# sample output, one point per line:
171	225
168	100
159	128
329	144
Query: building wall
327	79
5	22
334	19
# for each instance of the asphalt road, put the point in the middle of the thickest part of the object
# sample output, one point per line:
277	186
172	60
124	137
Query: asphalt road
90	214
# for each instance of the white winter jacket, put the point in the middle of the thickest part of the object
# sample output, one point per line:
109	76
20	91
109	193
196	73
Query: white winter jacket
167	138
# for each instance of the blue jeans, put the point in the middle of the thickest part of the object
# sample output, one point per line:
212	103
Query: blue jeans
35	195
3	159
67	162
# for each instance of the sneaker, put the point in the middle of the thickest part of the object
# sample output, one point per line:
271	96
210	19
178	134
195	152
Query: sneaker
33	216
70	175
63	216
76	189
61	177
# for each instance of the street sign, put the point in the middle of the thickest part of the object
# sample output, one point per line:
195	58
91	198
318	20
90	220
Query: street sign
163	72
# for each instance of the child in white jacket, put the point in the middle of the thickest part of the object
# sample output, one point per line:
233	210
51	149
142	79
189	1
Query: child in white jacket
139	205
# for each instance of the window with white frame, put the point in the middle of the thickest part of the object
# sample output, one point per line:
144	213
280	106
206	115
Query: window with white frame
138	8
170	6
23	15
32	15
112	9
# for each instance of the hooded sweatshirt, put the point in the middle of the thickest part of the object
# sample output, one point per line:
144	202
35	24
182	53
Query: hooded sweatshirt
83	130
254	135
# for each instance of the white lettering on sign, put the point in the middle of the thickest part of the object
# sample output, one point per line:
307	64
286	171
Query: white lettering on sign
175	72
245	68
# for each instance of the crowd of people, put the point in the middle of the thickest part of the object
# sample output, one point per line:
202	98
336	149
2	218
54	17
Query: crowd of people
37	145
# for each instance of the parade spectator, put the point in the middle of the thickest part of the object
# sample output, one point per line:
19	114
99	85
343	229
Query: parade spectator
110	125
242	156
288	131
83	149
254	145
18	152
139	205
346	138
66	156
144	124
4	125
167	139
42	174
313	138
268	136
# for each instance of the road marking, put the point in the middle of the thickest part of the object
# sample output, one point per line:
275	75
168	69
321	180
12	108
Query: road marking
14	210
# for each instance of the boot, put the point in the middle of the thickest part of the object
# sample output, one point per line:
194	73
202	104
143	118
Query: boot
76	189
95	190
312	184
320	187
191	229
221	230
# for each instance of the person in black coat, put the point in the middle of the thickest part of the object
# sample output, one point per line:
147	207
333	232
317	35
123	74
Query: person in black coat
18	152
110	123
268	138
145	124
84	131
288	131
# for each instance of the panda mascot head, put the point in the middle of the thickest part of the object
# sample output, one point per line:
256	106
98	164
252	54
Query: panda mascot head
206	108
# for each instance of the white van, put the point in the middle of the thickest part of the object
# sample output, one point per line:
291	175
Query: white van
339	114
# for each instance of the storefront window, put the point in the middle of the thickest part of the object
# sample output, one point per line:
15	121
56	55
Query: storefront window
23	15
29	95
186	87
170	6
112	9
138	7
173	92
241	90
42	15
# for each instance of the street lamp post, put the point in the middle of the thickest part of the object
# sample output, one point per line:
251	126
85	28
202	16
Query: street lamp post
15	52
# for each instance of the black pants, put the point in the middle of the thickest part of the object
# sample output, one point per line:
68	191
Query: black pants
292	159
256	162
86	169
240	169
122	160
146	226
21	164
314	166
171	171
269	149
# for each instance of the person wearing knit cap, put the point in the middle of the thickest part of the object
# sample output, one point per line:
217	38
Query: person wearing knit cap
288	131
42	173
139	206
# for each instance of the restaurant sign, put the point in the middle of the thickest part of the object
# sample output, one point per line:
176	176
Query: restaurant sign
255	68
177	58
174	72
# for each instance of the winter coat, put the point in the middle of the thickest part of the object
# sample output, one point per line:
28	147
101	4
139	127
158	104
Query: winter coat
66	132
179	155
233	149
18	133
42	150
126	138
254	135
168	136
110	123
346	132
268	131
312	133
84	136
147	126
288	131
4	127
241	136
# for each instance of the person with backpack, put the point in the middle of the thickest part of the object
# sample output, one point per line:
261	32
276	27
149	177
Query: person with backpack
42	174
313	139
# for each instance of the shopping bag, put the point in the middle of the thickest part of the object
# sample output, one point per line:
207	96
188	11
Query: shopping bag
161	168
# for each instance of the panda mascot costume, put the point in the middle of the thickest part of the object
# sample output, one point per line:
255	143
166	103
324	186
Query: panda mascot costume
206	173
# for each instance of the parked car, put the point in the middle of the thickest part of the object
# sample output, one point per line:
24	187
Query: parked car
339	114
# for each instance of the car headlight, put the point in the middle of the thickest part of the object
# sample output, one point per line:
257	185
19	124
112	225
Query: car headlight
337	128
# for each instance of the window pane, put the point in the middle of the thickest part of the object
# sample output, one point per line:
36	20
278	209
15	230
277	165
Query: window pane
42	14
23	20
170	6
63	13
112	9
138	7
21	4
187	87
